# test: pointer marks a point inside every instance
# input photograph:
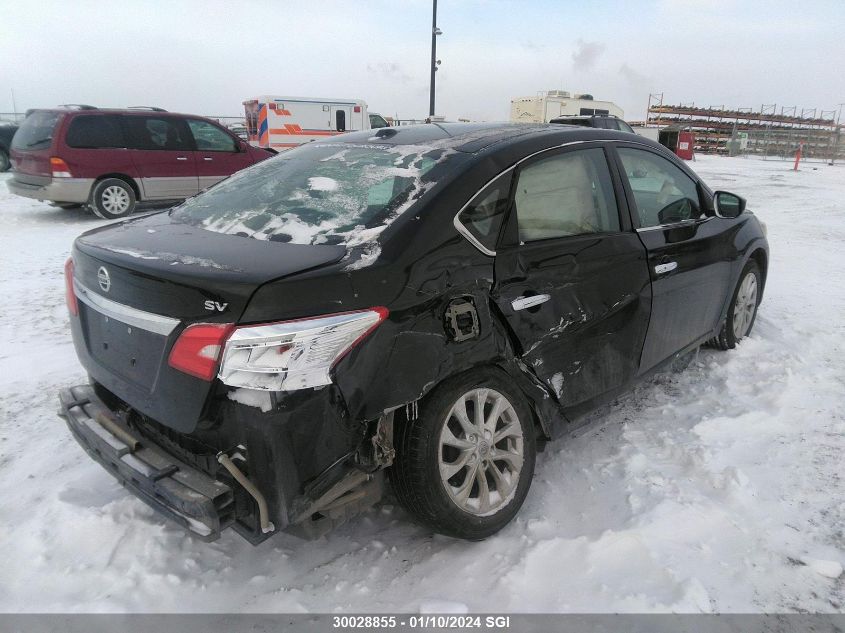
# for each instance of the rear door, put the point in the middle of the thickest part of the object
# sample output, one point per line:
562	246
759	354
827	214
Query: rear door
162	151
218	154
689	256
32	147
574	283
341	118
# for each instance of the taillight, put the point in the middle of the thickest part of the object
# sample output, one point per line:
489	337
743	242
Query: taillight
197	349
296	354
59	168
70	295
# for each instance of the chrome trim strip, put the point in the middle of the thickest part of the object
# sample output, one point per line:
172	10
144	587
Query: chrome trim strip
674	225
155	323
464	231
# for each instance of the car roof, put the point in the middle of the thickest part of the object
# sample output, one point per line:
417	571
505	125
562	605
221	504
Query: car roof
473	137
93	110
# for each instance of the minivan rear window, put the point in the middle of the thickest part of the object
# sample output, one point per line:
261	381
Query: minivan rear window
95	131
36	131
319	193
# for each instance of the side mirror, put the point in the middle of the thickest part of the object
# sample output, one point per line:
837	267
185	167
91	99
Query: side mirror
728	205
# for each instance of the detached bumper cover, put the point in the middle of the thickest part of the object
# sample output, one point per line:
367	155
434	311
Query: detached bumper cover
190	497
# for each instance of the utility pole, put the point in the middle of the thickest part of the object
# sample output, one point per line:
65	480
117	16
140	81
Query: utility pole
434	61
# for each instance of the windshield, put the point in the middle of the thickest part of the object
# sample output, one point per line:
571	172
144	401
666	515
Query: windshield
318	193
36	132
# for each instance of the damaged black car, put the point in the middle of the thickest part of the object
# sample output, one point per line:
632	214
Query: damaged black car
423	307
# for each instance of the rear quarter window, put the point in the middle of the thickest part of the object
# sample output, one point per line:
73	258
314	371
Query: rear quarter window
36	132
93	131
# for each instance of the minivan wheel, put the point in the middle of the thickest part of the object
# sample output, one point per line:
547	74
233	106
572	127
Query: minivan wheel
742	312
464	466
5	163
112	198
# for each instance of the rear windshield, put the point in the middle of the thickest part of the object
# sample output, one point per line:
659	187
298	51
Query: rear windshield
36	131
318	193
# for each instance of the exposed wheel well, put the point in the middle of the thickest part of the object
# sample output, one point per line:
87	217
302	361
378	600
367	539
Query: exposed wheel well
410	409
128	180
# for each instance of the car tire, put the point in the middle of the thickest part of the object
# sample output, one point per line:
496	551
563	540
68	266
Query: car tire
5	163
742	312
443	465
112	198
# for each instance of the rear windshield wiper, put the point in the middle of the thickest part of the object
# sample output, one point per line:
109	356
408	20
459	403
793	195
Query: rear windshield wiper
39	141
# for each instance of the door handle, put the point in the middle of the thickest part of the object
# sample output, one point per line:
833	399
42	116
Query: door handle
207	158
521	303
181	158
665	268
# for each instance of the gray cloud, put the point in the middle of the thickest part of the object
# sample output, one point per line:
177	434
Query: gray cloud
587	53
389	70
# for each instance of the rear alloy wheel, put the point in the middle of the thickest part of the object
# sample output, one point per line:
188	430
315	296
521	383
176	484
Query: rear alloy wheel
112	198
465	465
742	311
5	163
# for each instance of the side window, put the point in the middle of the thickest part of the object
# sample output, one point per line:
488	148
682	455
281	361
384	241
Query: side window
624	127
210	138
566	194
95	131
162	133
484	215
664	194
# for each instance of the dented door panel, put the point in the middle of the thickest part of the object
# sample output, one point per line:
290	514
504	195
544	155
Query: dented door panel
587	338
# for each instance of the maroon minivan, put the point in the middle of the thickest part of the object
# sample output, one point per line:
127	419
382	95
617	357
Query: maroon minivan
111	159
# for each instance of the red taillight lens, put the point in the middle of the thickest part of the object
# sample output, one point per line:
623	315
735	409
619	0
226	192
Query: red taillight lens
59	167
197	349
70	295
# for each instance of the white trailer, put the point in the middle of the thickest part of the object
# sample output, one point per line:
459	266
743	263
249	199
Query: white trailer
279	123
545	106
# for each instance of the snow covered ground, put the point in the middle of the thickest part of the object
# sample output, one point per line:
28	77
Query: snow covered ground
716	489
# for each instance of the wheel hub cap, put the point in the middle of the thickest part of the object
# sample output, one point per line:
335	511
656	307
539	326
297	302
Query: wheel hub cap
745	306
115	200
480	452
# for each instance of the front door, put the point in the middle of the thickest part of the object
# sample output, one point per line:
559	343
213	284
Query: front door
574	284
161	149
218	154
689	256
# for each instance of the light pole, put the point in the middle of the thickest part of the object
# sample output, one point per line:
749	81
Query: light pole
434	61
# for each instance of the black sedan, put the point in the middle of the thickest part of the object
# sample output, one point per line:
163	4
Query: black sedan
428	303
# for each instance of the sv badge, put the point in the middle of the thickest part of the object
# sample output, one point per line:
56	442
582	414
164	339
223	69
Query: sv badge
214	306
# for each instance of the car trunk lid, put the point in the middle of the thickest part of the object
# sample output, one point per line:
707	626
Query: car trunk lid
141	283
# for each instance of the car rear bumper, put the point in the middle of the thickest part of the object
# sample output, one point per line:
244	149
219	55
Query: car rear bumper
55	190
192	498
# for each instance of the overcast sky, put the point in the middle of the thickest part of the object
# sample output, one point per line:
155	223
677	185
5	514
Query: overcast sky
207	57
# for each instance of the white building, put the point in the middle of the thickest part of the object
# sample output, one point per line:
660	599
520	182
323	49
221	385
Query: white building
543	107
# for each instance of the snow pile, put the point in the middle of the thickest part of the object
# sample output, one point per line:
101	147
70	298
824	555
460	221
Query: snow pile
719	488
